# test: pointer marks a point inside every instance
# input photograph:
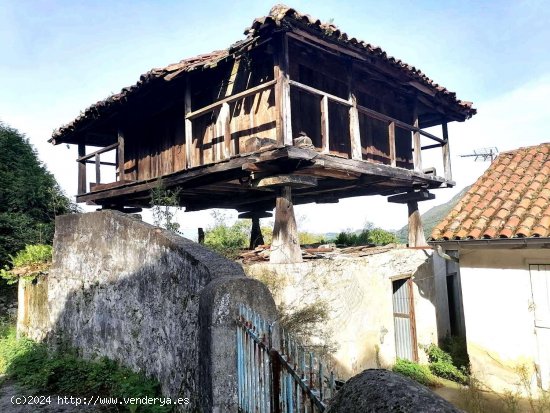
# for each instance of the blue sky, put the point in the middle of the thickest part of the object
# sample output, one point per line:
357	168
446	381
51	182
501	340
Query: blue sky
58	57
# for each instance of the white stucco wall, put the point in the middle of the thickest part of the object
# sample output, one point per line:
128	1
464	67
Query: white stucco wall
358	291
500	328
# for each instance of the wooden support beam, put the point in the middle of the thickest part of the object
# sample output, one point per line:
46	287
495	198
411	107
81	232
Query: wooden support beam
417	147
416	232
325	143
81	169
407	197
120	157
189	143
282	93
447	174
285	247
99	151
256	237
229	99
255	214
391	137
294	181
97	169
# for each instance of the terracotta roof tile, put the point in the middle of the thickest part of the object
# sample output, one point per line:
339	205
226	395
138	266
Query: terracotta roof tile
506	233
511	199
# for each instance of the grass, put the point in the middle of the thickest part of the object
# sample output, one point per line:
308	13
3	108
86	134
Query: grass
28	263
417	372
32	365
442	365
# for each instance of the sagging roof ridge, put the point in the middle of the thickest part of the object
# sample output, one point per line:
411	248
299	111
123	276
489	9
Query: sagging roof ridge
277	15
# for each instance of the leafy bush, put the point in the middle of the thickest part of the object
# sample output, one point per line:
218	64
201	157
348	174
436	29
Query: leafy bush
165	203
437	355
415	371
227	239
28	263
307	238
31	364
379	236
456	347
441	364
369	235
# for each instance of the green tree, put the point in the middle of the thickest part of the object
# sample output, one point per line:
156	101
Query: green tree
227	239
30	197
368	235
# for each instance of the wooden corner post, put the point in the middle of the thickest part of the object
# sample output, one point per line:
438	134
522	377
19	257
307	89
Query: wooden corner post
81	170
282	92
354	129
285	247
189	144
446	154
120	156
417	147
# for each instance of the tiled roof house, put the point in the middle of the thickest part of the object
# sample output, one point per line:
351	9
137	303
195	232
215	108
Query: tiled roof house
510	200
498	279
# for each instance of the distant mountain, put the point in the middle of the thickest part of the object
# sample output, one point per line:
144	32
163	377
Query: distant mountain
432	217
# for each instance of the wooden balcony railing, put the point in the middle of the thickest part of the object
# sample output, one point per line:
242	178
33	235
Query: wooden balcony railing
84	159
392	123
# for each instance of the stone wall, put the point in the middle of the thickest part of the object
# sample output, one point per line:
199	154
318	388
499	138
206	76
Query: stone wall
358	293
156	302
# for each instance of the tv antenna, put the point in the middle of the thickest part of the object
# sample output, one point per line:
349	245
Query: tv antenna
483	154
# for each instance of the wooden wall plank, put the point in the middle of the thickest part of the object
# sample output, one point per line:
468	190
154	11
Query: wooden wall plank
282	93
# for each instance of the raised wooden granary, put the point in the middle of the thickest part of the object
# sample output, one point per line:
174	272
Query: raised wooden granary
297	112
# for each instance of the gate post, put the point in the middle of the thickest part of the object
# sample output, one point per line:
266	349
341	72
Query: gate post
218	309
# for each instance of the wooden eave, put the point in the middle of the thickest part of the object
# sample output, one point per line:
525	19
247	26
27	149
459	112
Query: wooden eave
441	110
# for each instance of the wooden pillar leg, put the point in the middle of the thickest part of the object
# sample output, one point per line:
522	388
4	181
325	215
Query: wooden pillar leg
256	237
285	248
416	232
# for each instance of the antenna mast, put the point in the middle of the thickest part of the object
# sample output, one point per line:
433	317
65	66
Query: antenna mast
483	154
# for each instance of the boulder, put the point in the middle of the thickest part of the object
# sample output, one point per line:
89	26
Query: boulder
380	391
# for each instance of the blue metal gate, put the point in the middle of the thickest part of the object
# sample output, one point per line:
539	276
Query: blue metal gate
284	380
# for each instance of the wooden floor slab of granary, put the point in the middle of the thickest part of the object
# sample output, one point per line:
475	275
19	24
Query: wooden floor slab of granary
249	182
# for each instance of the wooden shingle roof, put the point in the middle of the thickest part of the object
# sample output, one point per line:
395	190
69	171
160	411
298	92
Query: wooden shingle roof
510	200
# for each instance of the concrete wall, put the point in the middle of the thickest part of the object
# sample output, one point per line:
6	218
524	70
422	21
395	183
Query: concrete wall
156	302
358	292
499	318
